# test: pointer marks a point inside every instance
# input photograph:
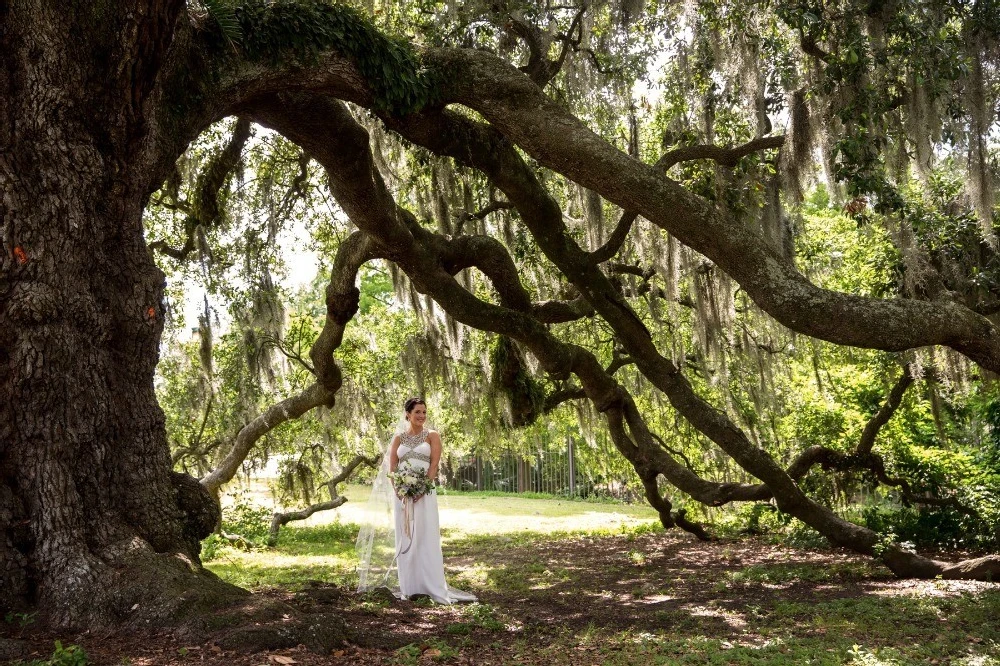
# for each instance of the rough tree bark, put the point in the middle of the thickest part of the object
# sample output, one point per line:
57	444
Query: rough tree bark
94	526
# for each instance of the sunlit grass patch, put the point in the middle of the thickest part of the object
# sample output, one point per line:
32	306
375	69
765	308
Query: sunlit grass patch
784	573
464	513
257	570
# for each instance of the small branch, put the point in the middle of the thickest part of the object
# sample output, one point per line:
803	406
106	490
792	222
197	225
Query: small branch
810	47
632	269
569	41
348	470
727	157
205	209
618	363
539	67
558	312
292	355
885	413
671	451
617	239
279	519
492	207
557	398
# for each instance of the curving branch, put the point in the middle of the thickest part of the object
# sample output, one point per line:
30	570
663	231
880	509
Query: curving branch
885	412
282	518
282	412
342	299
727	157
616	240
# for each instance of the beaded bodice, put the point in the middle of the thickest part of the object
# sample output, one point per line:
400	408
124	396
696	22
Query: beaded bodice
415	449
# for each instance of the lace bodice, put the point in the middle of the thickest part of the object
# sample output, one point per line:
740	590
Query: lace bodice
415	450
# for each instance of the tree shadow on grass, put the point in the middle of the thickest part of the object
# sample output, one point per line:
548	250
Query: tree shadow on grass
635	596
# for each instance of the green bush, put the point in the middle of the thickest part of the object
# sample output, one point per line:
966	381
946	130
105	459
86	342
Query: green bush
243	518
930	527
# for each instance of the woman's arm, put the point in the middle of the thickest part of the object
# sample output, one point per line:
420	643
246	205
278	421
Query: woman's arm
394	453
434	439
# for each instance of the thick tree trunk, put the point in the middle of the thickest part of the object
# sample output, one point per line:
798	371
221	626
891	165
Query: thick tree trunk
94	526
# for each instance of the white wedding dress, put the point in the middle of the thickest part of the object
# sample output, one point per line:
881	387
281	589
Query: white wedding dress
419	561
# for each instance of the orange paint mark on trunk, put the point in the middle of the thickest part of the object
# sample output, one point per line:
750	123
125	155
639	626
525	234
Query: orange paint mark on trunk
20	255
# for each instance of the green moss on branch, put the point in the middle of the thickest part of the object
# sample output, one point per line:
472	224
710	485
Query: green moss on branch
301	30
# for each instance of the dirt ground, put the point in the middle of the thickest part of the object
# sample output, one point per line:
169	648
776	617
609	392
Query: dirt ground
535	596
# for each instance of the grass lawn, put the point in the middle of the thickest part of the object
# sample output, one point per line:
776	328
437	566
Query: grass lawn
568	582
580	584
322	547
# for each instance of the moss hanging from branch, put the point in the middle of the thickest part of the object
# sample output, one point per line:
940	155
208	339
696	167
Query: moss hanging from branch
510	377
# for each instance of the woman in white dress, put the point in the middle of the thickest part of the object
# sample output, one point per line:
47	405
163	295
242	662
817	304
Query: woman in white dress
417	558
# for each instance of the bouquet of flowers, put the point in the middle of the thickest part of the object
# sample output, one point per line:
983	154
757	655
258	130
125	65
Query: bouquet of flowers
410	483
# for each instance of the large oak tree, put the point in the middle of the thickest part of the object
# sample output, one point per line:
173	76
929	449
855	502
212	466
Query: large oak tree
100	100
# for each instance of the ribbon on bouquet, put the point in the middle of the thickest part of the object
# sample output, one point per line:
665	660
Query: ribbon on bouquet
409	520
408	517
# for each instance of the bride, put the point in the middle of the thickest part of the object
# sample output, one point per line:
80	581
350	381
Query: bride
400	548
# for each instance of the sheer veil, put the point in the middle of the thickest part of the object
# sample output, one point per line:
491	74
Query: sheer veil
376	544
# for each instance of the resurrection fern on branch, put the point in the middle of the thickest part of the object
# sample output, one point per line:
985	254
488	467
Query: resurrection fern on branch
303	30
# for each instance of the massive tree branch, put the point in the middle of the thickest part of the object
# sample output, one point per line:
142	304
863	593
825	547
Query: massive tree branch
448	134
550	134
343	148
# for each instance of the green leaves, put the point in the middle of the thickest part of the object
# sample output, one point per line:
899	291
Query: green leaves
304	29
223	12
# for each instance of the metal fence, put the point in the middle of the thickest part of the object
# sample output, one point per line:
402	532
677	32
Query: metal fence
553	471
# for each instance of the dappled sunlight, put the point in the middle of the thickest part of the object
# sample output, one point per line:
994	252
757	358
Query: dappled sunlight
629	592
932	588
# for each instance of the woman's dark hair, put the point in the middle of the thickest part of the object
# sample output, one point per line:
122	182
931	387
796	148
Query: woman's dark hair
413	402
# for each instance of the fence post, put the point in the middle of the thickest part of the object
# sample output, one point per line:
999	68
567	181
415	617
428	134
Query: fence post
479	472
570	452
